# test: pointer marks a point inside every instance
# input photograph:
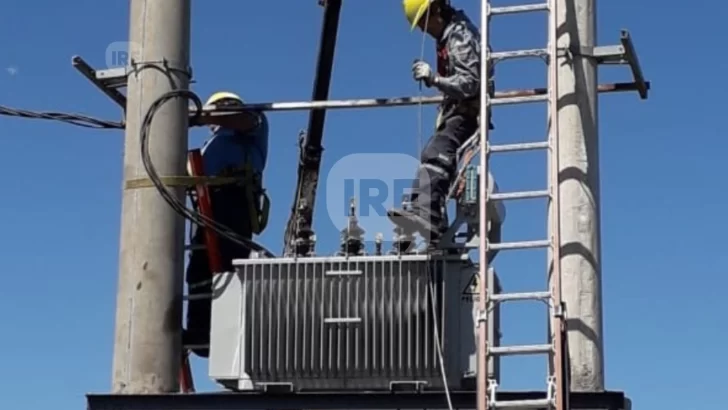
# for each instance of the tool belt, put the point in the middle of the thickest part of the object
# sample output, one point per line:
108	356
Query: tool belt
258	202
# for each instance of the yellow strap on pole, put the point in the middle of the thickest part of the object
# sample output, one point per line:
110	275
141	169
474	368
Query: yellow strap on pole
181	181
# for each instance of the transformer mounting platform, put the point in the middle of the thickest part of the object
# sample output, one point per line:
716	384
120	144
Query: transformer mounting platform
608	400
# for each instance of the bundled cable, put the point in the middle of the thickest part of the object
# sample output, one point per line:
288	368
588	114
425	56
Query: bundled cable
168	195
73	119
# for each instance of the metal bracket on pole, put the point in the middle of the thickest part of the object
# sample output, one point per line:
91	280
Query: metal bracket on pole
108	81
111	80
621	54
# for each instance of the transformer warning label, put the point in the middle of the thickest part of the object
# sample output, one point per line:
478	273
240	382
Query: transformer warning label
471	290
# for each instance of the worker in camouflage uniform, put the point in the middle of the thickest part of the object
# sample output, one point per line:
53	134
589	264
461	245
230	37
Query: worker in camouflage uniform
457	76
237	148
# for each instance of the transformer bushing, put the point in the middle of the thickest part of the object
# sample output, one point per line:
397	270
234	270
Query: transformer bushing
378	240
352	237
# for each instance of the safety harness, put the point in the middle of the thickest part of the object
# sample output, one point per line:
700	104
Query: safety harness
251	181
470	106
257	199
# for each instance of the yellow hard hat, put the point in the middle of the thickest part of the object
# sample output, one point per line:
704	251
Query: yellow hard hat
414	10
223	95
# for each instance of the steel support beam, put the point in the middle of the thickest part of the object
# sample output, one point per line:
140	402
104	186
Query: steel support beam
334	401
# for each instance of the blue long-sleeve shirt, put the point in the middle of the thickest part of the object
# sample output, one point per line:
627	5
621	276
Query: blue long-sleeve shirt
228	148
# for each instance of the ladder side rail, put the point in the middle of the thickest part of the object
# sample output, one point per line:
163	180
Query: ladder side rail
186	382
482	325
194	157
205	208
556	305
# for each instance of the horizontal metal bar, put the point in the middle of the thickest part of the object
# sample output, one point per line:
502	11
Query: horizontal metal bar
199	296
519	245
113	77
328	400
194	347
508	297
525	8
519	100
509	55
613	54
500	98
509	196
524	404
344	273
341	320
520	350
522	146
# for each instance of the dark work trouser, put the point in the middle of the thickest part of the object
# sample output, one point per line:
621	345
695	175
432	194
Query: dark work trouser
230	208
438	166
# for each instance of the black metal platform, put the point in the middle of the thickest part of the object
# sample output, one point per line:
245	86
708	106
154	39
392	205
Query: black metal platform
334	400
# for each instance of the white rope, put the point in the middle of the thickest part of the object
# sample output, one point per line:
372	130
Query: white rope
420	138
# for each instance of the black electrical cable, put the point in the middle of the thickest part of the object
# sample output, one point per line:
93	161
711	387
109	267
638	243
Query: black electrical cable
73	119
169	196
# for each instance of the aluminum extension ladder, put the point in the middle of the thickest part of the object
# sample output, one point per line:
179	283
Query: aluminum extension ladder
557	383
201	196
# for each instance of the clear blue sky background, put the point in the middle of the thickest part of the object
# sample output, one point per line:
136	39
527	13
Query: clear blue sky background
663	200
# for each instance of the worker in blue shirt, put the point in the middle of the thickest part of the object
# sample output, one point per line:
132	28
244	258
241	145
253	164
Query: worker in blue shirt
236	149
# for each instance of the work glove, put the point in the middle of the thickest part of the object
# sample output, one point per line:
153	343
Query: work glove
421	71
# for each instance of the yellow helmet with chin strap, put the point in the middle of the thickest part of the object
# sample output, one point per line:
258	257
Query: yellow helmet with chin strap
223	95
414	10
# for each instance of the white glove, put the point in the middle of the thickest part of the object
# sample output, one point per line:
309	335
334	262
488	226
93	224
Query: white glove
421	71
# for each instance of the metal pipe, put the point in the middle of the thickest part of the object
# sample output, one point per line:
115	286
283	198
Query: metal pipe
500	98
556	319
481	401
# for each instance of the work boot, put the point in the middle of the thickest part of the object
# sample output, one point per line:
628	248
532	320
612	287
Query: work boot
412	222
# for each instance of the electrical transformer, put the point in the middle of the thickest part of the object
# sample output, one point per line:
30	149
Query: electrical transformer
348	323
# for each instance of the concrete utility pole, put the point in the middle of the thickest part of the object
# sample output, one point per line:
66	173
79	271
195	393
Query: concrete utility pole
147	345
579	176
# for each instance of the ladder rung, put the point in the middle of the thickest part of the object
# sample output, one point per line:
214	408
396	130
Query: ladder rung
522	146
190	347
509	55
519	245
524	349
523	404
509	196
525	8
506	297
518	100
199	296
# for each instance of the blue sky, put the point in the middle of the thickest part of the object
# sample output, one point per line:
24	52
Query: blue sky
663	205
